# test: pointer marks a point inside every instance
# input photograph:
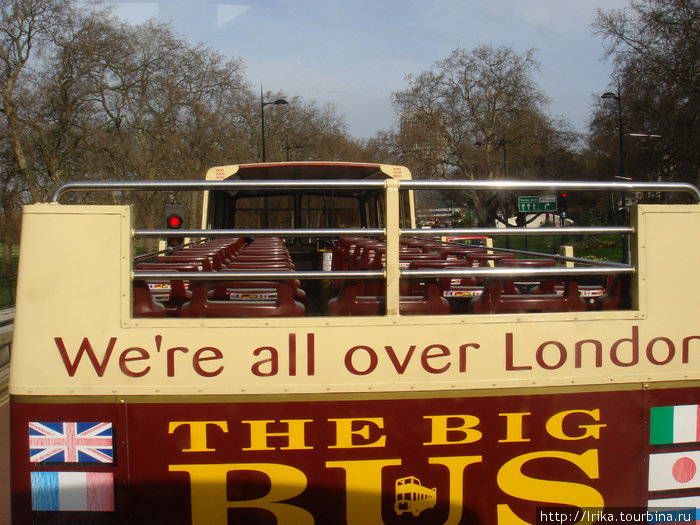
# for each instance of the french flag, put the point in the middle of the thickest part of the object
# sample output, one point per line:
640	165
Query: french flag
73	491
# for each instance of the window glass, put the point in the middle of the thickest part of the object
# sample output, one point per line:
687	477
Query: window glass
265	212
324	211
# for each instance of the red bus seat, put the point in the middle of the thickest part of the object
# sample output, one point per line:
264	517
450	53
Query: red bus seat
495	300
530	284
143	304
351	302
459	252
216	256
450	286
299	293
263	258
278	302
202	262
484	259
615	294
176	294
230	248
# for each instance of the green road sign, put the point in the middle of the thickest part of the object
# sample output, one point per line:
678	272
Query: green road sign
537	203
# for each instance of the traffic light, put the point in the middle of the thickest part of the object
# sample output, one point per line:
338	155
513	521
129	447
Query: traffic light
561	204
174	220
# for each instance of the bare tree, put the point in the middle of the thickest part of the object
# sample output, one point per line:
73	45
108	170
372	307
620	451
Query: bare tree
318	132
24	25
474	115
109	100
655	48
168	104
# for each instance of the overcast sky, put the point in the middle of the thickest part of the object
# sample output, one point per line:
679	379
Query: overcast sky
356	53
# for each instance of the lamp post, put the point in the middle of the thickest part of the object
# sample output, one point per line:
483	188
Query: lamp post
277	102
297	146
607	95
616	96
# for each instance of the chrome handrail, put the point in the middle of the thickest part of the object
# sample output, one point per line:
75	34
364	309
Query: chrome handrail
203	185
234	275
543	185
495	185
263	232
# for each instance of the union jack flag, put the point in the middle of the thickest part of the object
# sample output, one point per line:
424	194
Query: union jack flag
70	442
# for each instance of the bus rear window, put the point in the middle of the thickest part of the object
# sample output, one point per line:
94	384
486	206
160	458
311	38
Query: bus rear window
322	211
275	211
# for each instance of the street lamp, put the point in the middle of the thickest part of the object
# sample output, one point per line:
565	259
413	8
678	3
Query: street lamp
297	146
277	102
610	94
645	135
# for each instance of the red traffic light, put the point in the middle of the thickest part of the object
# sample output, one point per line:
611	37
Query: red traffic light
174	221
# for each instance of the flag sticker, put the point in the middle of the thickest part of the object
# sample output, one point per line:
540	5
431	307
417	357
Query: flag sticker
73	491
674	424
686	509
70	442
677	470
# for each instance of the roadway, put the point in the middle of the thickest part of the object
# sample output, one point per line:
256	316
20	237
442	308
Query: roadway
6	326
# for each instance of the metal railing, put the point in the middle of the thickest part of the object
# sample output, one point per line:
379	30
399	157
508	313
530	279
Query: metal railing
493	185
591	268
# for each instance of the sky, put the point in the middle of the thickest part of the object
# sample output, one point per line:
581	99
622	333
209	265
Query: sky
355	53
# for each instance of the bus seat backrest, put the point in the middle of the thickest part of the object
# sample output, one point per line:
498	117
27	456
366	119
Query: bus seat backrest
351	302
495	300
615	295
179	293
484	259
201	261
217	258
445	282
202	304
143	304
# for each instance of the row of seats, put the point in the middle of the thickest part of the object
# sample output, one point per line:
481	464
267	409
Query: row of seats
222	297
236	297
459	295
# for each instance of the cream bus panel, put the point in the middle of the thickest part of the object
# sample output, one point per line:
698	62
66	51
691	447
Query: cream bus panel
75	333
73	278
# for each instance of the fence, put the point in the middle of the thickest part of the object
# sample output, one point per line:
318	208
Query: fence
8	289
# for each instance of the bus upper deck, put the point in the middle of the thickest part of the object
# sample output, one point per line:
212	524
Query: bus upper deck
296	239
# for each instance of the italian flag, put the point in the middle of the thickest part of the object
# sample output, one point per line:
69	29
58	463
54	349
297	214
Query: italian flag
674	424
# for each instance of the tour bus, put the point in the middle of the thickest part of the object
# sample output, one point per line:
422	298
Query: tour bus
291	357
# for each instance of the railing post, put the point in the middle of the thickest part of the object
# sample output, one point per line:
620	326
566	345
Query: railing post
568	252
393	231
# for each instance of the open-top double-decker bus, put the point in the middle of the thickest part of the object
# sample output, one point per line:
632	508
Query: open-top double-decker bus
413	497
307	346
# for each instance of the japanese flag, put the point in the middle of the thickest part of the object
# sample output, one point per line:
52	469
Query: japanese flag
676	470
